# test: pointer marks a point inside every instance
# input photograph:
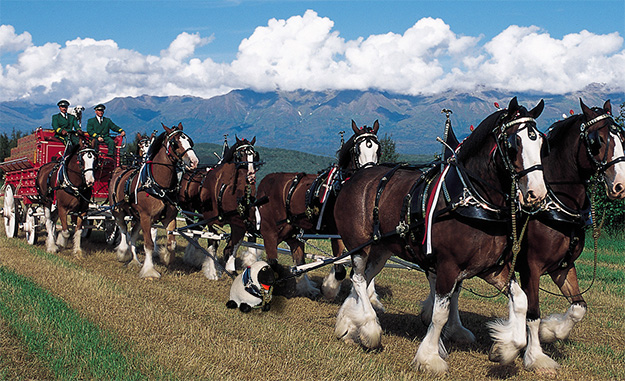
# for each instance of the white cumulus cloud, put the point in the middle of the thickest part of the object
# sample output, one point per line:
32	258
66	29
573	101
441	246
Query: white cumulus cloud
305	52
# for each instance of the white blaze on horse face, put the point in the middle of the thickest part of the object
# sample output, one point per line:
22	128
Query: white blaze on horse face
368	152
532	185
251	172
88	159
615	174
190	158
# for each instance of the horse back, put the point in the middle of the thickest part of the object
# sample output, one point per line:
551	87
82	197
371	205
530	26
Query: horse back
357	200
280	188
46	181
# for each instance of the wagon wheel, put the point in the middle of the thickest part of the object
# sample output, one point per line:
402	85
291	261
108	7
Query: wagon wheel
10	212
30	226
112	233
86	232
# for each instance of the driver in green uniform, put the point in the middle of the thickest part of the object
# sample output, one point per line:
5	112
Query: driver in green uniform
99	127
64	124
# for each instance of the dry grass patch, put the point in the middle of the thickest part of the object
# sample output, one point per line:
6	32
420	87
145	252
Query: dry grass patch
181	322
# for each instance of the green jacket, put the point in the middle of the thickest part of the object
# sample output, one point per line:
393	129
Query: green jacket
96	129
60	123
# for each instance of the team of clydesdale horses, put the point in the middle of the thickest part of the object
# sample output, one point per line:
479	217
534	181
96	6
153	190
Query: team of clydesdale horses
506	199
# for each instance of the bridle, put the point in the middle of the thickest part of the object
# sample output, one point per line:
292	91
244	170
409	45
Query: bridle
171	146
592	141
369	139
507	143
241	153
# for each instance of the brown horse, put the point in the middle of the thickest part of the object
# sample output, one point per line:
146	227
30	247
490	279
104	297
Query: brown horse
148	193
224	195
581	146
451	222
68	185
297	202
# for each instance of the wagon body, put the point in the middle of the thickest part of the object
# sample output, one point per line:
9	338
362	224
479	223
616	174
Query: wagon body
21	204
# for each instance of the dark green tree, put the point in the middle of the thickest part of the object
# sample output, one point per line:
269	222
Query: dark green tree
389	153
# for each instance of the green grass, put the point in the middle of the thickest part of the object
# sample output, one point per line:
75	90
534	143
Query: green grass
68	344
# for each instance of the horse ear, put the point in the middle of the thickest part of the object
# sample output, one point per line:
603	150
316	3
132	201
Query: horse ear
585	109
607	107
139	136
536	111
376	126
355	127
167	129
513	106
253	140
180	126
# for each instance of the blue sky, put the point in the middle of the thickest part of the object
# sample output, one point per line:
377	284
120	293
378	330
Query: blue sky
194	47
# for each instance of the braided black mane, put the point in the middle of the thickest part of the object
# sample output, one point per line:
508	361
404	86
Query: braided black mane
156	146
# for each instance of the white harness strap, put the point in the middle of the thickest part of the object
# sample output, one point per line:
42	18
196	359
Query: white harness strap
431	209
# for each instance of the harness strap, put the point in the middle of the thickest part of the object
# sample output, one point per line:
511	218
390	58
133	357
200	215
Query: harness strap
290	218
376	209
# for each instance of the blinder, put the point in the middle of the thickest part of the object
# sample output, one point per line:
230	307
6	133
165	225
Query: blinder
594	141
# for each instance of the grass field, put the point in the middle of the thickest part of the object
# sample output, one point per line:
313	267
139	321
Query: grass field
93	318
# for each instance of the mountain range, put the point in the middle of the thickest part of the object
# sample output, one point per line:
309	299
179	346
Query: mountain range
310	121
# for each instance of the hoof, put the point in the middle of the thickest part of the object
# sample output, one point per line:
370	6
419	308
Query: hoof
151	274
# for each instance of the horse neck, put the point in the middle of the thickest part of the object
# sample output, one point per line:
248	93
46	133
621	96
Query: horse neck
489	169
74	171
163	168
563	171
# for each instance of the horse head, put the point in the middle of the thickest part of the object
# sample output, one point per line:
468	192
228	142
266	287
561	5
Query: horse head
362	149
245	155
180	146
87	155
605	147
507	143
520	144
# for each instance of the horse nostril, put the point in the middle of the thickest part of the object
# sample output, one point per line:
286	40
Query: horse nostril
618	188
531	196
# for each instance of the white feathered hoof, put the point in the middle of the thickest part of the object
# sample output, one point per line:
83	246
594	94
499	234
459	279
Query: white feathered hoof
430	363
149	273
503	353
62	238
209	269
306	288
123	255
330	287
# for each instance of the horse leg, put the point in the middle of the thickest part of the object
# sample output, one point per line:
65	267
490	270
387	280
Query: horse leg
77	237
157	249
304	286
122	247
236	236
208	265
357	321
510	336
251	254
431	353
148	271
559	326
168	255
51	229
62	238
332	282
132	238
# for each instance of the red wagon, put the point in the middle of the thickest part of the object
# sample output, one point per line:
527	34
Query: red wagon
22	209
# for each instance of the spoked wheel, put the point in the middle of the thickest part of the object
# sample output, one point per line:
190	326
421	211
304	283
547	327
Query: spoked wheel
113	233
10	212
30	226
